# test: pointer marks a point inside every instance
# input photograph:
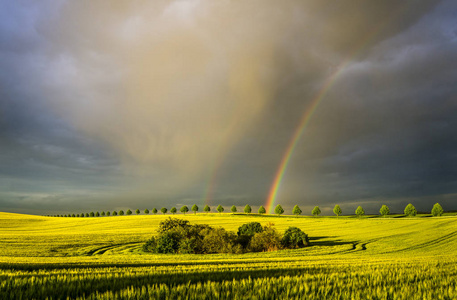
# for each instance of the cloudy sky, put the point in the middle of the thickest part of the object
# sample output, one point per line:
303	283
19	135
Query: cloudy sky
142	104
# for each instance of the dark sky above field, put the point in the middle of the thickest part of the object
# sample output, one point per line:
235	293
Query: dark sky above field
142	104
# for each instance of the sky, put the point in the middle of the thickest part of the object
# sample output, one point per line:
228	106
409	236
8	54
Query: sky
142	104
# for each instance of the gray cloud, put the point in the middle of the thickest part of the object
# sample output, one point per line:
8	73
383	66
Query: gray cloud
154	102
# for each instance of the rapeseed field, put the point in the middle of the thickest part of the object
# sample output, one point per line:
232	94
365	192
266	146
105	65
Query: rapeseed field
349	258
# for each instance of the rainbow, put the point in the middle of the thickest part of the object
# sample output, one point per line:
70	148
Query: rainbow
312	108
296	136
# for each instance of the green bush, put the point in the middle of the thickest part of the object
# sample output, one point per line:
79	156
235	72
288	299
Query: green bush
154	210
247	209
164	210
171	223
316	211
294	238
168	242
220	209
267	240
207	209
129	212
173	210
146	211
137	211
121	213
150	245
233	209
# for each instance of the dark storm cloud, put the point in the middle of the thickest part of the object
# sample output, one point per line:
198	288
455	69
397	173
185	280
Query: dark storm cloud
154	102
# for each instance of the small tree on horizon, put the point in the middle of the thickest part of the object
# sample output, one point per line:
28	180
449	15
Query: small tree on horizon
359	211
146	211
114	213
103	213
137	211
316	211
173	210
337	210
154	210
437	210
279	210
87	215
233	209
108	213
194	208
262	210
97	214
164	210
207	209
73	215
297	210
91	214
129	212
247	209
184	209
220	209
384	211
121	213
410	210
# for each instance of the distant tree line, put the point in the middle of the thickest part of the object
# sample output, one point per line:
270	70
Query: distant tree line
178	236
409	211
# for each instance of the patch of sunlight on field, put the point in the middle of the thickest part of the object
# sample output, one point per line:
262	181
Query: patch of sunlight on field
349	258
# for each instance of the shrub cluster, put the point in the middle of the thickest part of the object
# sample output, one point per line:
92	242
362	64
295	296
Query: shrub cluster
178	236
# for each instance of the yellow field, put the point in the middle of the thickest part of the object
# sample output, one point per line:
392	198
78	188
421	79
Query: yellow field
419	254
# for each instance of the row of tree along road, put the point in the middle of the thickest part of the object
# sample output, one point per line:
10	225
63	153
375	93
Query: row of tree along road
409	211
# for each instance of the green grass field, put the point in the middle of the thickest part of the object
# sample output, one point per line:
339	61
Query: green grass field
350	258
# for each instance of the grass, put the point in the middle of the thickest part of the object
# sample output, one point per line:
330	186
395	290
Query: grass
101	258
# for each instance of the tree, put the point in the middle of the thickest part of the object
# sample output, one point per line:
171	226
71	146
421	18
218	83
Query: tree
262	210
250	228
103	213
337	210
297	210
87	215
154	210
129	212
82	215
410	210
359	211
173	210
247	209
294	237
233	209
437	210
146	211
384	211
316	211
121	213
184	209
164	210
279	210
207	209
73	215
137	211
76	216
194	208
108	213
114	213
97	214
91	214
